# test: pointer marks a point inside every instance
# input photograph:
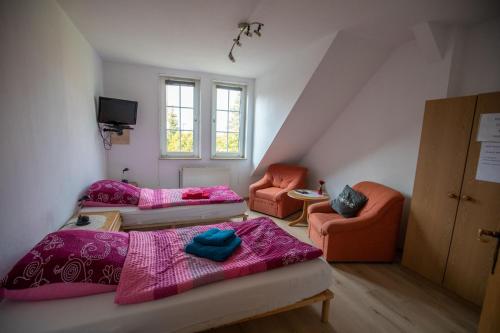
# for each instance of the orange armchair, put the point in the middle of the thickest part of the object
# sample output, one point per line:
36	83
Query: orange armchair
369	236
269	194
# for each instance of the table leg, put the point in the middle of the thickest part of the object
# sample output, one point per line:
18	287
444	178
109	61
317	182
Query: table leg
303	216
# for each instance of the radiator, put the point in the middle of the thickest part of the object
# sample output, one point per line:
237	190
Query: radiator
194	177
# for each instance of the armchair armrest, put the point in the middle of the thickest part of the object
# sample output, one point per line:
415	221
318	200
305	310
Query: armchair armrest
320	207
292	186
278	196
348	224
264	182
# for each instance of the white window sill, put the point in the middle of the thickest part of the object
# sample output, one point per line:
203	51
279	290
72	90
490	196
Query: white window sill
179	158
227	158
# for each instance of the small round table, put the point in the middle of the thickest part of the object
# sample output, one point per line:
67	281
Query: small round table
308	199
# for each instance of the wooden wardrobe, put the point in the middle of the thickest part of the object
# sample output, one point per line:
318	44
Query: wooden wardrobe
449	205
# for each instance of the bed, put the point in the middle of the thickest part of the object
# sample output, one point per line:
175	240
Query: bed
135	218
213	305
153	284
144	208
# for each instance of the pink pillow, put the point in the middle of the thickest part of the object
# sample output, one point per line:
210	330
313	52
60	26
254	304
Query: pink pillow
114	192
68	263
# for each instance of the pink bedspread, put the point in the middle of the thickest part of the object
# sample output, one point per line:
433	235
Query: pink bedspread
157	266
164	198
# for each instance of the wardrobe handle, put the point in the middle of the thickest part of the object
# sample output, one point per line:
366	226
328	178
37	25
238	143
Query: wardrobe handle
452	195
466	198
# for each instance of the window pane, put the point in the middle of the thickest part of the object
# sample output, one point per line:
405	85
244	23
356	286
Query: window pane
187	141
173	141
221	121
234	100
172	118
187	96
222	95
220	142
233	145
187	119
234	122
172	95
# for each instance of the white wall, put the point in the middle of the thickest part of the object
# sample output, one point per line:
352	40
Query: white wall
480	65
277	91
377	136
48	135
141	156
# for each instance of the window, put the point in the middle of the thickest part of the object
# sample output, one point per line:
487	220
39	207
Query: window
179	118
228	121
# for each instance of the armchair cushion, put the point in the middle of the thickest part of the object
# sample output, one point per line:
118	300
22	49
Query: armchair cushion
267	193
349	202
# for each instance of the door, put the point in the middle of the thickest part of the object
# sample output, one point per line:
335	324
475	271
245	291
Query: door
490	318
441	162
469	261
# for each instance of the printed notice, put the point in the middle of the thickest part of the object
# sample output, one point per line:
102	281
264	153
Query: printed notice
488	167
489	127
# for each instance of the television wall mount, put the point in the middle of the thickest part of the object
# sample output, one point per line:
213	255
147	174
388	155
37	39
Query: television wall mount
106	129
118	129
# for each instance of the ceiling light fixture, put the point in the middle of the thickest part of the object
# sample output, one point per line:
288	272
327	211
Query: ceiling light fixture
245	28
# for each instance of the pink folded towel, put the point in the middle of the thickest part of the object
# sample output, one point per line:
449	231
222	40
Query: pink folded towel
195	194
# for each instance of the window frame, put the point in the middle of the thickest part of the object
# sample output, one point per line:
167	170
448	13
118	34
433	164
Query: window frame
164	154
241	154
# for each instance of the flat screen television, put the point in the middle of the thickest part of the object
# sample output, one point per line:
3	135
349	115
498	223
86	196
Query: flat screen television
117	111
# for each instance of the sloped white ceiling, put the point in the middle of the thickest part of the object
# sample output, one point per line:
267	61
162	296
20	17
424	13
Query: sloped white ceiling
348	63
197	34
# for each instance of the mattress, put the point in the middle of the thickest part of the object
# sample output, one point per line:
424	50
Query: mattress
133	216
198	309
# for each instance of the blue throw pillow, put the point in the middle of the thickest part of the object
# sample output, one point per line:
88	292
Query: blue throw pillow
349	202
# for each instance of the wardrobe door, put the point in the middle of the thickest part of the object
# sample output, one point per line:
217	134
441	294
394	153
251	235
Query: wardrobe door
470	261
441	162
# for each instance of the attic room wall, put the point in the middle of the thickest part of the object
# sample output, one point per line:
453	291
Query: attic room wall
49	143
346	66
277	91
141	156
377	136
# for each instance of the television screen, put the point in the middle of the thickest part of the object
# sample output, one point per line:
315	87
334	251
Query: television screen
117	111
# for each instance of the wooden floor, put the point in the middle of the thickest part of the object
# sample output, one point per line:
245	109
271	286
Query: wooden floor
372	298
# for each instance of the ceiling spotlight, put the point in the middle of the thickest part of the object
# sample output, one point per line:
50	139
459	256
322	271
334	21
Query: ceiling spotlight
245	28
257	31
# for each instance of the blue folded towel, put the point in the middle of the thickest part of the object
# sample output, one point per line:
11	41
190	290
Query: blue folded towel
216	253
215	237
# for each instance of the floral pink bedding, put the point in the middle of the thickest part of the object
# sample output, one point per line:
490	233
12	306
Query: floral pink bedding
110	192
157	266
68	263
164	198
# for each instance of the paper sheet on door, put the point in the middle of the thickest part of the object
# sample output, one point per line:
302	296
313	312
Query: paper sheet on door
488	167
489	127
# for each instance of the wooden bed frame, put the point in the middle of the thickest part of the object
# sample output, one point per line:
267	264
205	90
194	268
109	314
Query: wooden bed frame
325	297
182	224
